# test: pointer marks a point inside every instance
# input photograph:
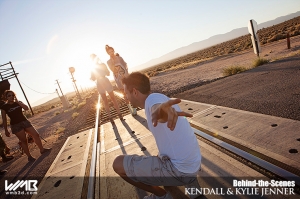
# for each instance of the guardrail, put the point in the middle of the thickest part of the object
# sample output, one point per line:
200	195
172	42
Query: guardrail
91	185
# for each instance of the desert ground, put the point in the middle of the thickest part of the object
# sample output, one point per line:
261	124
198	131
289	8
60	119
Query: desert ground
50	123
56	124
171	83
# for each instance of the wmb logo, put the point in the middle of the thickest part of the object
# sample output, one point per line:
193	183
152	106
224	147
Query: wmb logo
30	185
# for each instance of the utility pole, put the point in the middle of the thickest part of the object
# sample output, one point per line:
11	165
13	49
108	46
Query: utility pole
72	70
63	99
21	87
57	93
59	87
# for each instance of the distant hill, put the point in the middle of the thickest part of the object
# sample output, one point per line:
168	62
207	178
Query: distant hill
216	39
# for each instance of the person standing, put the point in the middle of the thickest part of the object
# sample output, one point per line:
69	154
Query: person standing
119	68
103	85
179	158
19	124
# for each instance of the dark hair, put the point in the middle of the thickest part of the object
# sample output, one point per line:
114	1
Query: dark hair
4	96
138	81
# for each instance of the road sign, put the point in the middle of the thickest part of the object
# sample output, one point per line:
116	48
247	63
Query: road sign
258	45
253	28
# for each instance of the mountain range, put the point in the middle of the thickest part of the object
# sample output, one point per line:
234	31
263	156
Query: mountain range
216	39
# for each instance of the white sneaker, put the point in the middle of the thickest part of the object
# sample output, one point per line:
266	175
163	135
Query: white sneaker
132	110
133	113
152	196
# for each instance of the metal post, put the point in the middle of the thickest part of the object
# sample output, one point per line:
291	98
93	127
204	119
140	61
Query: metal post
57	93
288	41
21	87
76	86
256	44
59	88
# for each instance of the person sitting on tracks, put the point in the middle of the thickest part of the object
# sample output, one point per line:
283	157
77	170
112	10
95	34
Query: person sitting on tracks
179	158
104	85
19	123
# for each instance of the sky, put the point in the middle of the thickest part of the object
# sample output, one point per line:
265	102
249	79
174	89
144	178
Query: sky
44	38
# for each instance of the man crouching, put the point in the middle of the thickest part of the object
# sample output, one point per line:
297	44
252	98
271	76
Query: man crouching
179	156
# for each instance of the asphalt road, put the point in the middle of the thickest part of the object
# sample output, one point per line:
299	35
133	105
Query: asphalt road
271	89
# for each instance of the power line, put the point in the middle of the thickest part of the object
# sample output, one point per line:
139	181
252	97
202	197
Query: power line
35	90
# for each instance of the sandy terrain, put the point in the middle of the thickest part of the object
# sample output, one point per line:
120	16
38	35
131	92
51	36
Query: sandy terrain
170	83
48	123
175	82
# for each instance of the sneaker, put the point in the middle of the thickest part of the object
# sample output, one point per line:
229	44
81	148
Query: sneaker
133	113
132	110
31	159
152	196
7	158
46	150
2	172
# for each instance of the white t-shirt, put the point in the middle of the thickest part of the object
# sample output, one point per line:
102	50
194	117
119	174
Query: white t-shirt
180	145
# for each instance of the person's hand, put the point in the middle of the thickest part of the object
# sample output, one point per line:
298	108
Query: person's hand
166	113
7	133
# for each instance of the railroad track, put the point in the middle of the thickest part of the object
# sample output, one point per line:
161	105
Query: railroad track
269	167
103	117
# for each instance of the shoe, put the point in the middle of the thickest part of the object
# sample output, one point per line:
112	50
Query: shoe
7	158
2	172
132	110
46	150
152	196
31	159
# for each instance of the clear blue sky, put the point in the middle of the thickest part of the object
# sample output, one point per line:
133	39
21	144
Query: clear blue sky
43	38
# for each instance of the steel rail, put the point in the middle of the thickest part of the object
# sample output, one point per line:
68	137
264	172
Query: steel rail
262	163
91	183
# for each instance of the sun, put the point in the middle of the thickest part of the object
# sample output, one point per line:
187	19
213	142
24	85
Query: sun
75	53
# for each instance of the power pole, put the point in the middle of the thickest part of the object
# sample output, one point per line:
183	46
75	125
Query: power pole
21	87
59	87
72	70
63	99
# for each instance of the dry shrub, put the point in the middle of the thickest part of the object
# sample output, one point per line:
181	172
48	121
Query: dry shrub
259	61
60	130
277	37
75	115
81	104
232	70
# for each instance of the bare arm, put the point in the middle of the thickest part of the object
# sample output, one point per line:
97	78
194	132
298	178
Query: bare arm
4	120
164	112
24	106
124	63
